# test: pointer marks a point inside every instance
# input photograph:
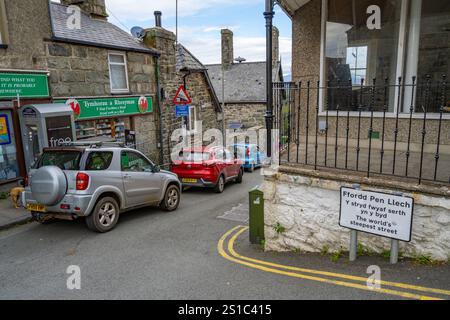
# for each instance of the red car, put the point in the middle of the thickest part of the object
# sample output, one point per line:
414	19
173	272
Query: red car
208	167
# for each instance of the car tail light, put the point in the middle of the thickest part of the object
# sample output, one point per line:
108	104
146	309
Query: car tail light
26	181
82	181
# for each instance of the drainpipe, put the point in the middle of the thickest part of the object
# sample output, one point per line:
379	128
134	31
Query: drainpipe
160	109
269	14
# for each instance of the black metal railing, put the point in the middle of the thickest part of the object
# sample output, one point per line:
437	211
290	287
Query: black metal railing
377	128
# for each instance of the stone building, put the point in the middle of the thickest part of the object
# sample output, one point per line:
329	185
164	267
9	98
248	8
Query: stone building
50	53
368	109
180	67
101	64
245	84
21	51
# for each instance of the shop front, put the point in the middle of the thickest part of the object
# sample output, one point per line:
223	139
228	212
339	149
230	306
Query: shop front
17	88
109	118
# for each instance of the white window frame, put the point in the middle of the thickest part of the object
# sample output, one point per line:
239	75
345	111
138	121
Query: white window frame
192	116
124	64
404	67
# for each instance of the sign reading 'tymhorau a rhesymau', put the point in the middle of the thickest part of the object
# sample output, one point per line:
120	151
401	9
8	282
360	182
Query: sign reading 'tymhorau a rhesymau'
377	213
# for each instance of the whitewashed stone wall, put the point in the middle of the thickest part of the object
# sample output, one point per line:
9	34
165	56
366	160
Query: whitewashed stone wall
308	209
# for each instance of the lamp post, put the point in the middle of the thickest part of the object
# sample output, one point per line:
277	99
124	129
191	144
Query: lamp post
269	14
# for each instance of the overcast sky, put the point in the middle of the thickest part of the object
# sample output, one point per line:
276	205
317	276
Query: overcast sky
200	22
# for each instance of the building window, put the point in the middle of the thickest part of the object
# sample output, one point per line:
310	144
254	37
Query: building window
112	128
118	73
428	50
9	166
353	51
3	24
413	42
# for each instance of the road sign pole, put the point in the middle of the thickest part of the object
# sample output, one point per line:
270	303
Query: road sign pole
353	245
394	251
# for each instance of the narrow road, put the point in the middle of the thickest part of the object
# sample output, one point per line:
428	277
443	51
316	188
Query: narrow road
150	255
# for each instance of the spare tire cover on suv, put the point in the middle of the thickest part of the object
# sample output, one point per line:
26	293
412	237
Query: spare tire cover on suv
48	185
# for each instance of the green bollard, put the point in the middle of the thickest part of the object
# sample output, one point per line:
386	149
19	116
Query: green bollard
256	198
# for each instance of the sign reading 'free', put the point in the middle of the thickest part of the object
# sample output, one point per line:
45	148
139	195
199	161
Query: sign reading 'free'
377	213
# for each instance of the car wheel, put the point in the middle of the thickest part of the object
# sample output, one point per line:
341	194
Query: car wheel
171	198
220	186
240	176
105	215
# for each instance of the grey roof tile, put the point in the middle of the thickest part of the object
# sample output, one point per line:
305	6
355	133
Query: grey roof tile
186	60
93	32
244	82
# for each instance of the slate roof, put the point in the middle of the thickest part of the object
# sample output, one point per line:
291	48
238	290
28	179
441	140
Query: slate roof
244	82
187	61
93	32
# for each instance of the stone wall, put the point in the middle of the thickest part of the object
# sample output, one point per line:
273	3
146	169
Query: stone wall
308	208
28	24
249	114
197	87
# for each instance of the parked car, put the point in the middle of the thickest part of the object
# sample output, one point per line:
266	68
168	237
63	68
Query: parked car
208	167
250	154
97	182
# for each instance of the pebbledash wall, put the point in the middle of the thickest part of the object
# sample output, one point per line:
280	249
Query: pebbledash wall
307	205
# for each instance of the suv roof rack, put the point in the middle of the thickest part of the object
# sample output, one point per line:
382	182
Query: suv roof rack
94	144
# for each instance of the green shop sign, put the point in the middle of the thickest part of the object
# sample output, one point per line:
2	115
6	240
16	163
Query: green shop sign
24	85
109	107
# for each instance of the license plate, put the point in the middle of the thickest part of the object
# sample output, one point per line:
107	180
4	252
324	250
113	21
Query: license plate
36	207
189	180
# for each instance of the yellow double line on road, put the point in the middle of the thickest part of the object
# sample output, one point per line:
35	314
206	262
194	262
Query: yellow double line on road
299	273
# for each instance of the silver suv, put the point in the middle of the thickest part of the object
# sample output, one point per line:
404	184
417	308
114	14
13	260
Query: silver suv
98	182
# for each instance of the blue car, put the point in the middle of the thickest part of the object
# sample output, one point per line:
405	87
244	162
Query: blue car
250	154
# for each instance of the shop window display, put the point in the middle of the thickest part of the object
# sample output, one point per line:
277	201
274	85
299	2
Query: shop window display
9	169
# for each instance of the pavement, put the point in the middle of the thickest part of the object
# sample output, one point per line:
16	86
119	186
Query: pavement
157	255
10	216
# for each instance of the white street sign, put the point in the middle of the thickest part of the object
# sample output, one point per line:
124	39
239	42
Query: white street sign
377	213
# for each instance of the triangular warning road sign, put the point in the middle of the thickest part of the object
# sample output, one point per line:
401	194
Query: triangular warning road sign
181	97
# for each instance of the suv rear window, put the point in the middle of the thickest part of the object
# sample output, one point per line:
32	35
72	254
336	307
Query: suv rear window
98	161
65	160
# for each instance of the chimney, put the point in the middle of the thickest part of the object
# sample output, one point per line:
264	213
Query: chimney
275	46
227	48
158	15
95	8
